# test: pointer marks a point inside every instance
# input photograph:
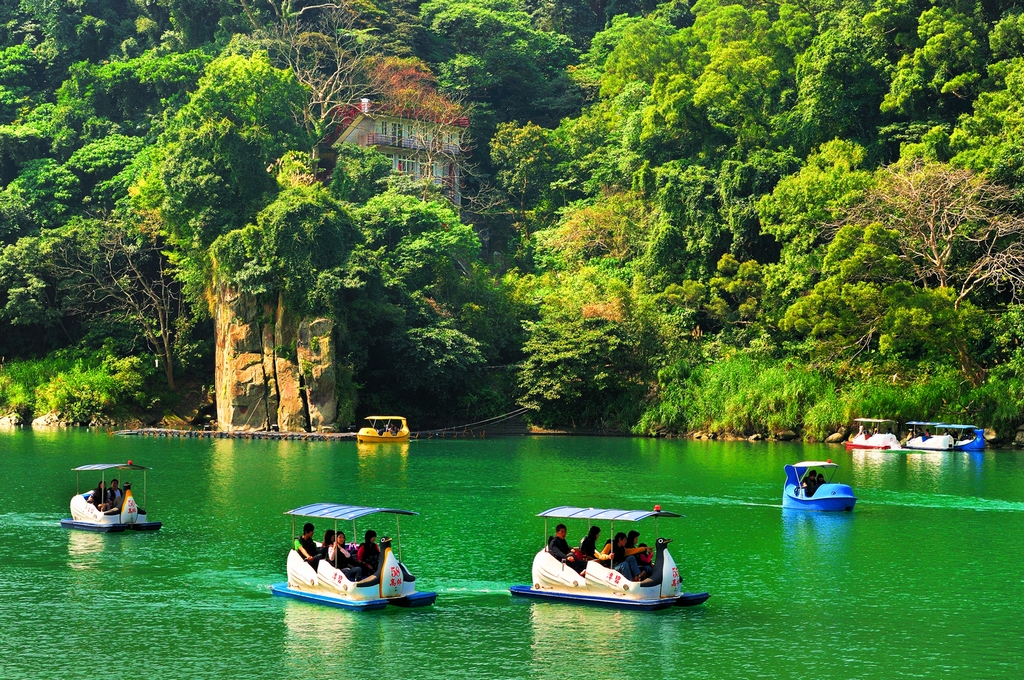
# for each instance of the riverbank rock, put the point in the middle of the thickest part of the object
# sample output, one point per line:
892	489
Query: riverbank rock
991	436
756	437
835	438
1018	440
786	435
10	420
272	369
48	420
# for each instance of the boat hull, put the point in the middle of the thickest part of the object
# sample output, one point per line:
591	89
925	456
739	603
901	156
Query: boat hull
392	584
414	600
108	528
650	604
284	590
827	498
382	439
869	444
935	443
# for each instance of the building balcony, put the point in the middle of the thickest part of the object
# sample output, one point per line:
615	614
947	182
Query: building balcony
394	141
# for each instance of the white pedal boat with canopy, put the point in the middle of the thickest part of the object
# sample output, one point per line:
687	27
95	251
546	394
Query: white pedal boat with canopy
947	437
874	433
127	515
391	584
556	580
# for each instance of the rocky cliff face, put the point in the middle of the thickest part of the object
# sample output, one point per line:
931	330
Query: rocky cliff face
271	367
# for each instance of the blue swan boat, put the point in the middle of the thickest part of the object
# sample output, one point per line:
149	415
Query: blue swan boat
828	497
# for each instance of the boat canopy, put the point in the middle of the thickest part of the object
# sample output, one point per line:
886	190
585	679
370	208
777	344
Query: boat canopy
384	418
342	512
570	512
110	466
873	420
947	426
815	463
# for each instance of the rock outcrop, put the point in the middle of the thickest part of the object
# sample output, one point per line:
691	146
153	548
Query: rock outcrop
272	369
10	420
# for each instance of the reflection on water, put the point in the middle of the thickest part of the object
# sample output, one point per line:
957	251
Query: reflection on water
383	463
313	627
85	549
826	530
606	634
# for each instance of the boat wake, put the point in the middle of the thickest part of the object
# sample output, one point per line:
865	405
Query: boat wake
941	501
17	520
469	587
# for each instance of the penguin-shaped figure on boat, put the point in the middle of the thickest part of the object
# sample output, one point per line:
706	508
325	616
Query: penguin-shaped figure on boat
556	579
392	583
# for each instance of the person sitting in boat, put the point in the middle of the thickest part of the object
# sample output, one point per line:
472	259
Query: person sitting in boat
306	546
642	553
114	495
820	481
325	546
926	436
98	498
341	559
558	548
621	562
810	484
393	429
369	552
588	545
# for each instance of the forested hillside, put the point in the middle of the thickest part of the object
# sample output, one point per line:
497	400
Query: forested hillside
743	217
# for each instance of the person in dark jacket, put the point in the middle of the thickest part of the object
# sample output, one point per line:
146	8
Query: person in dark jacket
114	495
306	546
558	548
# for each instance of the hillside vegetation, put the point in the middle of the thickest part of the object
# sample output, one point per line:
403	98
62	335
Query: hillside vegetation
727	216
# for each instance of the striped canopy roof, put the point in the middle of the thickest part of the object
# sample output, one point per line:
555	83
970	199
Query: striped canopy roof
342	512
570	512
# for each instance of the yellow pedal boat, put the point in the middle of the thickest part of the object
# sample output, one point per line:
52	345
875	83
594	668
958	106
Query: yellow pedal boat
384	429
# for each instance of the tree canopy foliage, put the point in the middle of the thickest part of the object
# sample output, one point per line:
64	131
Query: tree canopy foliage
667	205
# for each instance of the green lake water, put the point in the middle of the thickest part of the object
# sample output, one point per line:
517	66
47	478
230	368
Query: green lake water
925	579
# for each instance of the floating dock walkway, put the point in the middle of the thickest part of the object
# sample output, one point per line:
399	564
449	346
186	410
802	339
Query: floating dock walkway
460	432
252	434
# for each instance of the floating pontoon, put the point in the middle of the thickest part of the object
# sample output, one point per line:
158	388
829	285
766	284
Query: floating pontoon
127	514
391	584
598	585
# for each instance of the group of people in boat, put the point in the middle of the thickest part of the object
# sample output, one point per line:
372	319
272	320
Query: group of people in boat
355	562
391	428
108	499
621	553
812	480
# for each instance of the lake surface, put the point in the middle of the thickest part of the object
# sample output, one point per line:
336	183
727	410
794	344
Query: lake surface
924	579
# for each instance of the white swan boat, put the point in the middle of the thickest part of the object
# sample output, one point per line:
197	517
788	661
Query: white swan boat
873	433
391	584
554	579
126	515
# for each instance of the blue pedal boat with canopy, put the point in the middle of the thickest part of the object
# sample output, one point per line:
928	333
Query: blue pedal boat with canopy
557	580
122	515
827	497
392	583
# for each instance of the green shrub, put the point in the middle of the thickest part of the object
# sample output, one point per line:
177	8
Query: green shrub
78	389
